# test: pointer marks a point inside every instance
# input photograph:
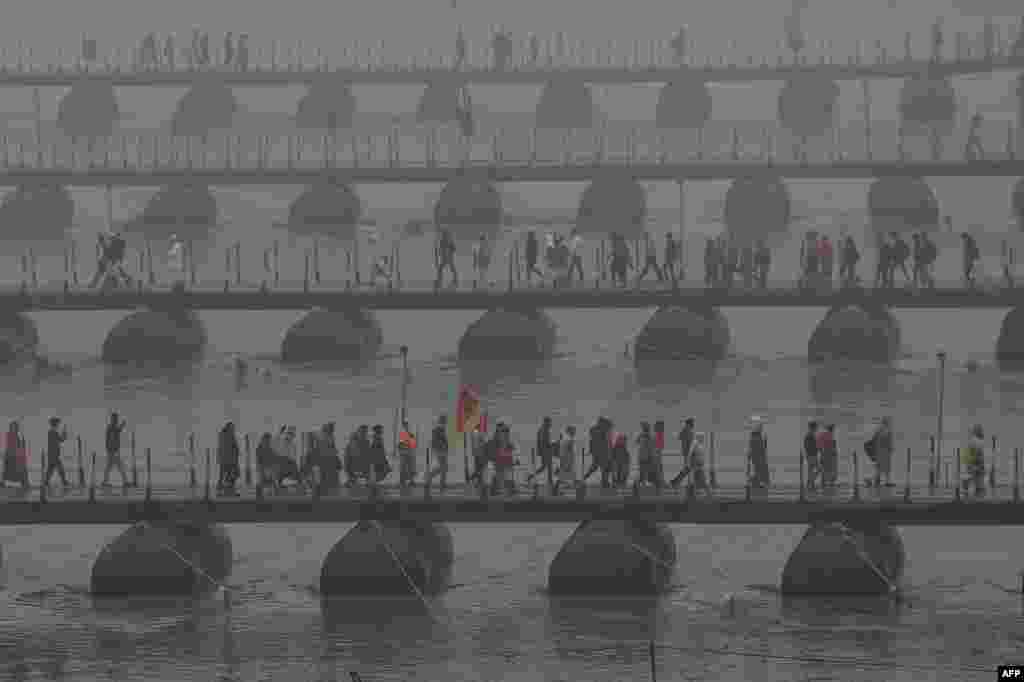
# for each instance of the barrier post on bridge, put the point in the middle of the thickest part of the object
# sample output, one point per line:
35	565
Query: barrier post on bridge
227	269
1016	474
135	464
856	476
932	474
800	456
238	263
206	492
305	272
426	478
956	483
92	478
277	260
906	485
81	462
248	461
192	460
43	483
316	261
149	474
992	469
746	490
149	263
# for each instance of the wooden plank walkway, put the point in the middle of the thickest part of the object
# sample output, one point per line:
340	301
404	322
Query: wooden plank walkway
125	175
920	505
298	295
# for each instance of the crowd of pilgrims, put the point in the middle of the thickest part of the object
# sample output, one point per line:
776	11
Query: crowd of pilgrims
319	463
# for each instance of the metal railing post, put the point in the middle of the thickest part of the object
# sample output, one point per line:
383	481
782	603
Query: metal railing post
906	486
92	479
149	474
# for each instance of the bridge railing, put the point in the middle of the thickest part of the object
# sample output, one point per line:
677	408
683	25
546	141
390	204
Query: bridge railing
192	472
556	51
426	147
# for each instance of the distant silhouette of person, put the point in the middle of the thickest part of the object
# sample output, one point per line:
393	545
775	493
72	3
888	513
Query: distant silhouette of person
898	256
482	259
762	263
446	259
973	150
535	49
679	44
15	457
650	261
242	52
228	454
575	254
848	259
55	438
229	49
204	49
460	49
621	262
113	442
938	39
882	266
501	46
971	256
170	57
532	255
671	257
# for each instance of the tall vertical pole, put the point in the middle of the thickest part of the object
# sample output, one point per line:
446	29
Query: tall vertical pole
405	381
37	108
865	86
942	401
682	226
110	208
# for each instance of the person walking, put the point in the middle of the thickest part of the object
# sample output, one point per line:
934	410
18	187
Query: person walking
446	259
650	261
439	449
973	459
546	451
757	451
971	256
695	466
646	460
532	253
810	450
828	456
16	457
406	457
685	444
575	255
55	438
228	454
115	427
600	451
566	460
379	466
482	260
879	450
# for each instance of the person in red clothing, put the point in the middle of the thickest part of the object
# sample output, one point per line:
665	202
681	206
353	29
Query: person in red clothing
825	259
828	455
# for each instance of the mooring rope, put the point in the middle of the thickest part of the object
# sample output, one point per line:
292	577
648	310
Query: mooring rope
405	574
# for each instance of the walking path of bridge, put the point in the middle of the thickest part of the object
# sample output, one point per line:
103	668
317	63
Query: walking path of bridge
920	505
227	294
659	68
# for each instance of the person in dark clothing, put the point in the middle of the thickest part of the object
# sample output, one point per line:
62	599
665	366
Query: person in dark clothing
883	268
620	458
621	262
600	451
439	451
651	262
929	254
762	263
115	427
828	455
971	256
710	262
811	454
916	249
532	255
55	438
229	49
327	460
899	255
848	259
15	457
228	454
758	453
545	452
672	258
266	464
446	259
809	258
353	458
380	467
685	443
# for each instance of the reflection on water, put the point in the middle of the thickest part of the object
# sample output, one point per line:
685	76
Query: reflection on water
686	375
506	375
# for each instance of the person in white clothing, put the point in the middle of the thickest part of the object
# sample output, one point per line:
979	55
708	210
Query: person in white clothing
176	256
575	254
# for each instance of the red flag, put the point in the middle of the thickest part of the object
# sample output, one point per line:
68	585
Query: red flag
467	410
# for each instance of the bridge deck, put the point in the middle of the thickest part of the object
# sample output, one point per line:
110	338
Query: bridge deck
113	175
760	69
51	296
463	503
